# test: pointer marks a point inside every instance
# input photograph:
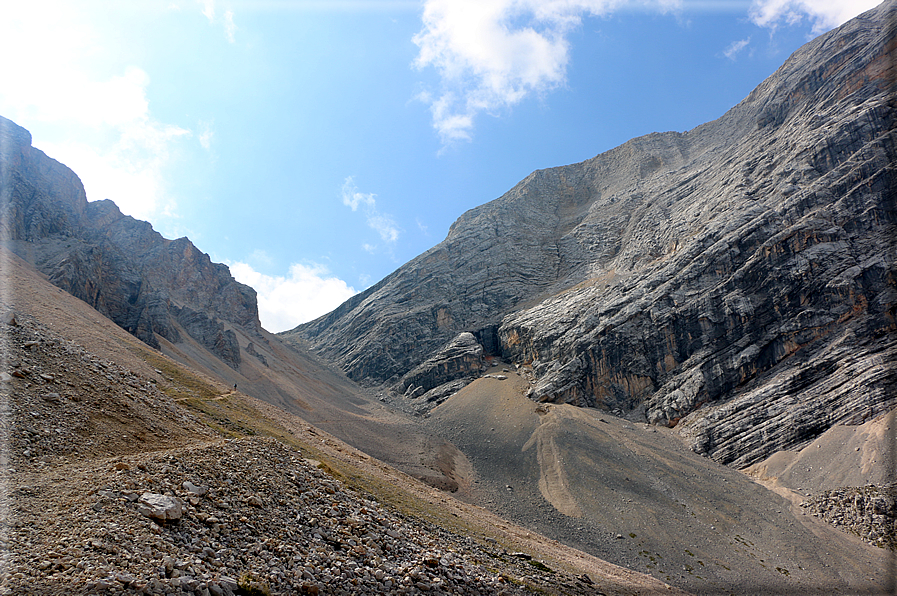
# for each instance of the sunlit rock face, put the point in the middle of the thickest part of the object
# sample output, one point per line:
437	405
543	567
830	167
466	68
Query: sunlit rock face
150	286
735	280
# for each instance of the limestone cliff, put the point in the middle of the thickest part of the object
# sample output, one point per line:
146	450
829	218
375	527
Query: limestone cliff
150	286
735	280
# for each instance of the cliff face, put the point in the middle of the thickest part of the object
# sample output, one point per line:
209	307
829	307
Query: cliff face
150	286
736	281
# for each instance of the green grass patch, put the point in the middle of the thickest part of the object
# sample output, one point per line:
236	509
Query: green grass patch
540	566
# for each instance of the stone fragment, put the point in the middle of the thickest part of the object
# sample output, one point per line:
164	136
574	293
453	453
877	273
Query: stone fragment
160	507
9	318
192	488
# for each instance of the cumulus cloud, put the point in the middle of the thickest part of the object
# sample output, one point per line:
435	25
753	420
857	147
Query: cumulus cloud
822	14
491	54
130	171
382	223
735	47
121	150
308	292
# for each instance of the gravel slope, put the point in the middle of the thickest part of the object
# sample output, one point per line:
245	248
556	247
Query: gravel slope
94	434
635	495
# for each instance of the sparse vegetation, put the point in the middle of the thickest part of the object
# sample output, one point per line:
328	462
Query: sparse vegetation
250	585
540	566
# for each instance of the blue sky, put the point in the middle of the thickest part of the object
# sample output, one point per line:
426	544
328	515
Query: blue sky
316	146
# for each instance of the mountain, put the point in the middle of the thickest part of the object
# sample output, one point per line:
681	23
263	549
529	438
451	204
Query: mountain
150	286
734	281
97	426
548	372
171	296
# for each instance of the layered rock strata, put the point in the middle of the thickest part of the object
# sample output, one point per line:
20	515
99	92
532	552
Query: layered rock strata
736	280
461	358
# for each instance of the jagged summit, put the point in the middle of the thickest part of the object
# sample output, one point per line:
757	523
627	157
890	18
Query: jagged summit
151	286
736	280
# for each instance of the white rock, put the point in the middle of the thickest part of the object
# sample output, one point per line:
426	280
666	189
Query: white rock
192	488
160	507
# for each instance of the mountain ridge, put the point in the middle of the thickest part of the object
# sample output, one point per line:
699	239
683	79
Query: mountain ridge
115	263
742	294
680	271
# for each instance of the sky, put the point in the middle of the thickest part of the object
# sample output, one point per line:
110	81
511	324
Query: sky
315	146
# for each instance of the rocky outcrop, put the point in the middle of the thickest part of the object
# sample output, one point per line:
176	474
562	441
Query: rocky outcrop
753	300
150	286
459	359
735	281
869	512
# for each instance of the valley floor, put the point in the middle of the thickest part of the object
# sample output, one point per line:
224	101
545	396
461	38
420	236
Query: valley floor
95	428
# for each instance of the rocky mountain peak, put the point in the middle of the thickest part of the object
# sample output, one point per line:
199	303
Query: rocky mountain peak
152	287
726	280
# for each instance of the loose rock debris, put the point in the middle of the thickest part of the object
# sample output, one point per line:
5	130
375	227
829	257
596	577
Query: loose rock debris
269	522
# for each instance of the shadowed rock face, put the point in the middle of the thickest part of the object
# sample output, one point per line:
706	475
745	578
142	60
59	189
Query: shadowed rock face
462	357
150	286
735	280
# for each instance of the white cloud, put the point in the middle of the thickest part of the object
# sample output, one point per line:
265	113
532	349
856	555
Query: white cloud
209	11
206	134
130	172
382	223
823	14
284	302
229	27
352	198
121	150
735	47
491	54
385	226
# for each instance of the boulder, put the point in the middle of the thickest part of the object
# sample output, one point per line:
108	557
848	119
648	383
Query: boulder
160	507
